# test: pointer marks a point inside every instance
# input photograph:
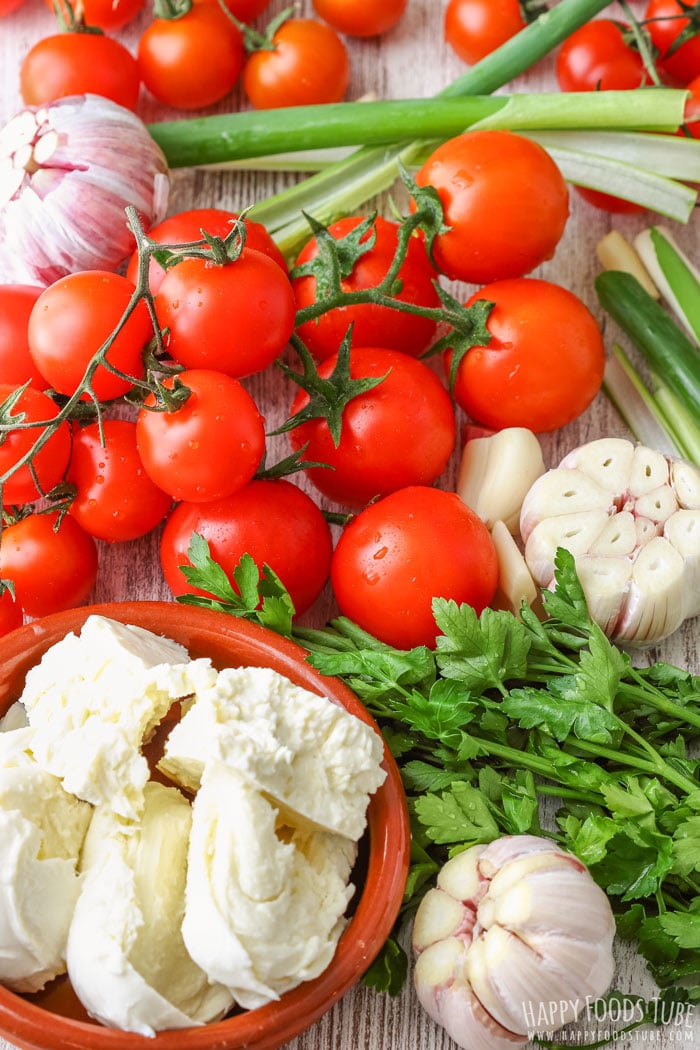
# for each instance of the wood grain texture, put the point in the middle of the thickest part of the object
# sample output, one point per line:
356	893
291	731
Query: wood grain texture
411	60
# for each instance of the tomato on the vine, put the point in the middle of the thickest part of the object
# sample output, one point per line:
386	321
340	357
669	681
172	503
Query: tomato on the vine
191	61
79	63
606	202
360	17
373	325
73	318
52	564
398	554
400	432
16	363
475	28
208	447
48	464
236	317
115	498
505	205
307	64
184	227
105	14
599	56
246	10
274	522
664	22
543	365
691	125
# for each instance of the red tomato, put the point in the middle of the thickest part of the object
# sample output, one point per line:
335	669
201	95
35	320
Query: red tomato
187	226
53	567
543	365
599	57
236	318
475	28
664	24
191	61
16	363
49	462
79	63
272	521
116	500
105	14
398	554
692	111
8	6
210	446
372	325
11	615
73	318
246	10
308	64
604	201
360	17
505	201
383	444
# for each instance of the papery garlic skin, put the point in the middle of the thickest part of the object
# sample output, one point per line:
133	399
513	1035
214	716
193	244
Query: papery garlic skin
631	518
68	170
511	927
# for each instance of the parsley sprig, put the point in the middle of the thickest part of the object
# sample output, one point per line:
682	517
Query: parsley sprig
507	711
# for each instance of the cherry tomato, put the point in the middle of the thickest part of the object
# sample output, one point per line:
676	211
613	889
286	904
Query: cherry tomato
235	318
543	365
599	57
49	462
692	111
187	226
11	615
8	6
308	64
383	444
606	202
105	14
505	201
372	325
207	448
52	566
246	10
475	28
360	17
664	24
398	554
191	61
16	363
73	318
272	521
116	500
79	63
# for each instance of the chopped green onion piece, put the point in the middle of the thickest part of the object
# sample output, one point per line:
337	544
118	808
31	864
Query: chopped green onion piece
674	275
645	419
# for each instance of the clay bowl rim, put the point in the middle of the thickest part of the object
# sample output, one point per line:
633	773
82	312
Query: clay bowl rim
210	632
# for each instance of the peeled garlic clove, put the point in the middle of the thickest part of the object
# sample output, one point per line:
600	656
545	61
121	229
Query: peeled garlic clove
68	170
515	582
559	492
575	532
495	472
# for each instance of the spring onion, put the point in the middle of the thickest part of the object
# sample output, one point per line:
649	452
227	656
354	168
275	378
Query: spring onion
675	275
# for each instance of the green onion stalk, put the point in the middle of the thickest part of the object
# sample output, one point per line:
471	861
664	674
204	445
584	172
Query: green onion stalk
637	167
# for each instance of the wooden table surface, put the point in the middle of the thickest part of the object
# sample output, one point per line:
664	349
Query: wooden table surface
411	60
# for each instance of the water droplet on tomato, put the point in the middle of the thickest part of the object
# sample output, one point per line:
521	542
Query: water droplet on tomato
380	553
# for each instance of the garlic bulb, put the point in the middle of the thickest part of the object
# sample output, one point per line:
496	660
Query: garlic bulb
68	170
512	931
631	518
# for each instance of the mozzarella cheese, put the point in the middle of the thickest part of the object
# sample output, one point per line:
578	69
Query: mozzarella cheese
41	829
265	904
315	760
94	699
126	957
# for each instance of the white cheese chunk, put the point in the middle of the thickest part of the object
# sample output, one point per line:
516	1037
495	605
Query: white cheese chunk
126	957
315	760
93	700
42	829
265	905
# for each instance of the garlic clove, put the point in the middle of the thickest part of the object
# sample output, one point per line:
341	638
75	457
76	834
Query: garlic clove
657	505
559	492
576	532
495	473
607	461
605	582
682	530
650	469
460	876
685	480
508	848
655	606
515	582
618	538
441	916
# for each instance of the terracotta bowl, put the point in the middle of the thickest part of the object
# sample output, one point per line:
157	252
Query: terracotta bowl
54	1019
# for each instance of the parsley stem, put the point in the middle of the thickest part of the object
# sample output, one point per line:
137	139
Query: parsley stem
658	768
655	698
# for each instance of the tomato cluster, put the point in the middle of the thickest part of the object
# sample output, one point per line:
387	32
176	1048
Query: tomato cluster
193	53
370	423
